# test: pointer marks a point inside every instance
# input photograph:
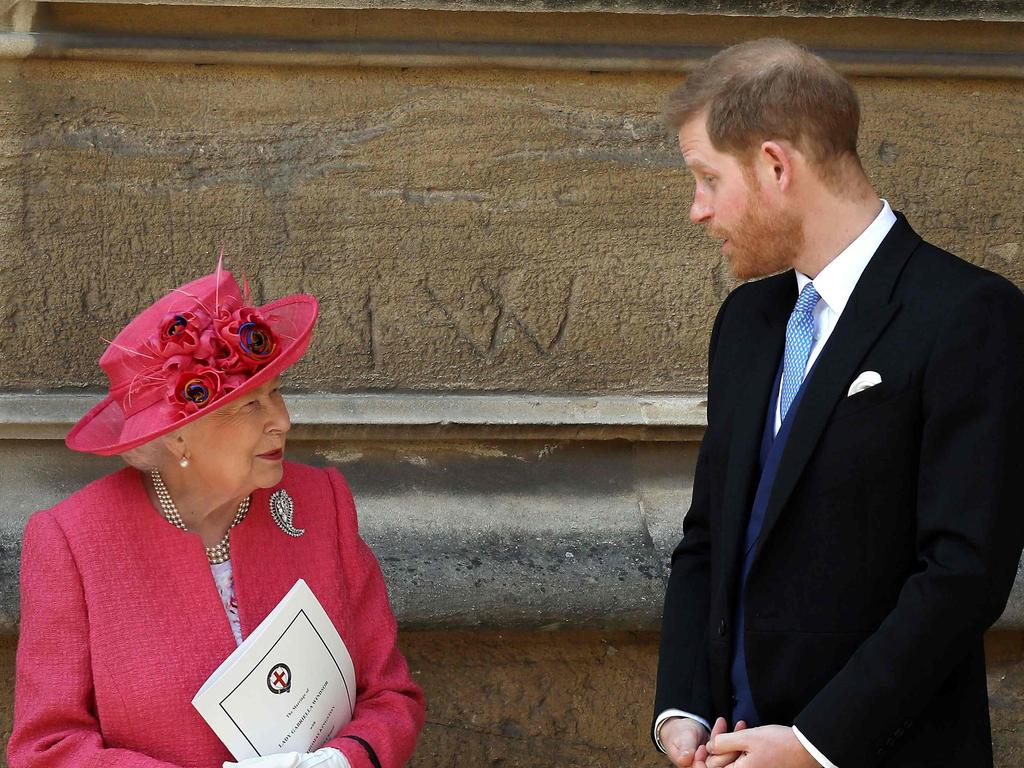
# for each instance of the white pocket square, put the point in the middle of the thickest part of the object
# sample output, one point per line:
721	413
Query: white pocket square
866	380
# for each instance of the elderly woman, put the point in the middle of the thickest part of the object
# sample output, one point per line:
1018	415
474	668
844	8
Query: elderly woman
138	586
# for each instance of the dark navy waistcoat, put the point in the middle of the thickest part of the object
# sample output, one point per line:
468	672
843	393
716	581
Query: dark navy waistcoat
772	446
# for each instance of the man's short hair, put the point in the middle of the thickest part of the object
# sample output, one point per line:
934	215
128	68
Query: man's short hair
771	89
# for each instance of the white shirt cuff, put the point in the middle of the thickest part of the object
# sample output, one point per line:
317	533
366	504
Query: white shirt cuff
822	760
669	713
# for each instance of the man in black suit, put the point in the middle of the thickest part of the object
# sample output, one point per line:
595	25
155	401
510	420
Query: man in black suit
855	526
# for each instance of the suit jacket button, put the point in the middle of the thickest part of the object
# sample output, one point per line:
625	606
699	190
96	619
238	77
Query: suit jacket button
722	628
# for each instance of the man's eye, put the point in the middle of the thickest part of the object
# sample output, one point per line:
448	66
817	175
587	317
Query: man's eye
709	180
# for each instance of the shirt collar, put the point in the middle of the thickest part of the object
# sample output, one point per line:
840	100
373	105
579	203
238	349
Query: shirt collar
837	280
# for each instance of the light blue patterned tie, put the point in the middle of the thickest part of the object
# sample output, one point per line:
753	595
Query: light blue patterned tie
799	340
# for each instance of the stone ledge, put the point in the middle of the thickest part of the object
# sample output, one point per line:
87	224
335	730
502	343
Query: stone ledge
989	10
49	416
459	54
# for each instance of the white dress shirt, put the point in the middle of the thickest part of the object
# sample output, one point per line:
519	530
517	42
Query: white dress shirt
834	284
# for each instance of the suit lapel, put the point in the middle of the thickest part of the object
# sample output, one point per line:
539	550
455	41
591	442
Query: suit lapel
869	311
760	356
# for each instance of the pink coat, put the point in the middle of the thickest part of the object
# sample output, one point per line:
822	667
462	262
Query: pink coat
121	623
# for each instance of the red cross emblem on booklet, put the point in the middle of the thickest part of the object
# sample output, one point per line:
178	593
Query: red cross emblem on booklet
280	679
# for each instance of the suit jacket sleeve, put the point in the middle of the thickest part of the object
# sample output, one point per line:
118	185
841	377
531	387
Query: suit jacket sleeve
683	664
54	715
969	533
389	709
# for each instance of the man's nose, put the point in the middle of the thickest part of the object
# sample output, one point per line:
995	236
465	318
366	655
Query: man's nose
700	211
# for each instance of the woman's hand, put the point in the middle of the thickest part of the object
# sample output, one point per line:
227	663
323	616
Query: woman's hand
322	758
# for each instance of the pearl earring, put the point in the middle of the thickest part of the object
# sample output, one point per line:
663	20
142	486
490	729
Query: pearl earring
183	462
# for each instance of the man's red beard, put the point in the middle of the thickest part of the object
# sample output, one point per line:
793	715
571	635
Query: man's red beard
763	242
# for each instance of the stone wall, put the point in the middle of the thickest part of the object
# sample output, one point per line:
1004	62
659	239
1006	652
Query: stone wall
515	227
576	699
464	230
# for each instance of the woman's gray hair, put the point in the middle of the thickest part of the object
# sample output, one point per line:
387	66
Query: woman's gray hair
149	456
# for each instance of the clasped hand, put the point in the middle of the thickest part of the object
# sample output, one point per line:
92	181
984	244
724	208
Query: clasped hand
770	746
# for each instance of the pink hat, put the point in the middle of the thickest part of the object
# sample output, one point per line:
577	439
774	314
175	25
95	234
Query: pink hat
199	347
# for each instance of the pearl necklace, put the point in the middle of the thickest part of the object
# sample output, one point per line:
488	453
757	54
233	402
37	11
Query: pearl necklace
219	552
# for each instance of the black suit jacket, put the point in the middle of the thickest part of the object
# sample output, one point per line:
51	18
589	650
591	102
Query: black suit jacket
894	527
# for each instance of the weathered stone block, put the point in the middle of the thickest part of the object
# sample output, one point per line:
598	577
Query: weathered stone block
464	230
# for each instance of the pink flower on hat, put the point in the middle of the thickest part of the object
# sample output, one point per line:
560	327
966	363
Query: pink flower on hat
180	333
249	342
196	386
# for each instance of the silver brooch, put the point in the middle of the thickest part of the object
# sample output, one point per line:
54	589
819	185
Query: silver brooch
282	509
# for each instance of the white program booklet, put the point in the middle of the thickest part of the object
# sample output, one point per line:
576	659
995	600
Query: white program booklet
289	687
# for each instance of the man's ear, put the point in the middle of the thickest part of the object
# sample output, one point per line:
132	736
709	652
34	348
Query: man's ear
776	161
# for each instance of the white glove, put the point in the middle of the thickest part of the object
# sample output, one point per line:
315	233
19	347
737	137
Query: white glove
322	758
